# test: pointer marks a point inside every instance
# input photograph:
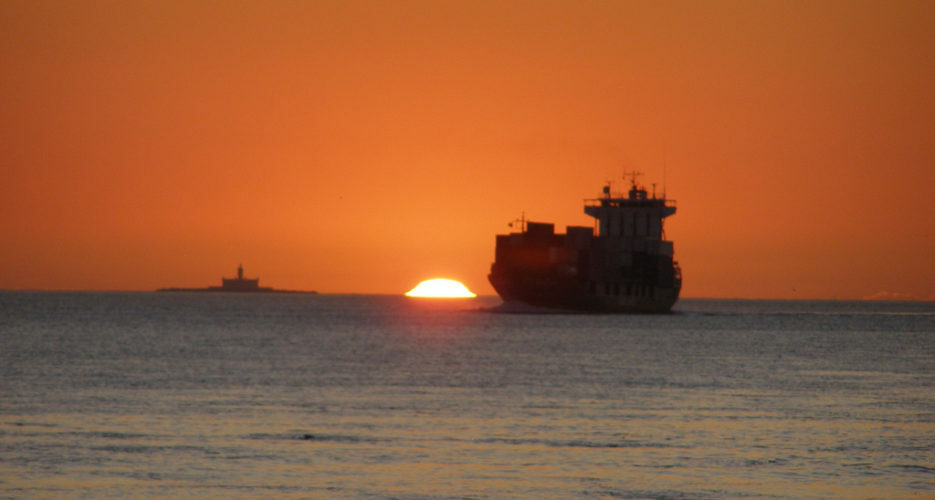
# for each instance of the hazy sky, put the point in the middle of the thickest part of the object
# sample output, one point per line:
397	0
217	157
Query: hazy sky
364	146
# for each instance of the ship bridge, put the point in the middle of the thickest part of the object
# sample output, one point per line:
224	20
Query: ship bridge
634	214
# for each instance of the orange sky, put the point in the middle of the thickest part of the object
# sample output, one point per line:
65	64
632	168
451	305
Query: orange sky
364	146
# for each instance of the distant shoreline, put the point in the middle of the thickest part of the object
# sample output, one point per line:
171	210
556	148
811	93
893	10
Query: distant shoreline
221	290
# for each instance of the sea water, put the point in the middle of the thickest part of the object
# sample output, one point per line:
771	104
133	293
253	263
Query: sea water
165	395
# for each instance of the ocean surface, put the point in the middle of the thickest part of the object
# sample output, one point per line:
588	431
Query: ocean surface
167	395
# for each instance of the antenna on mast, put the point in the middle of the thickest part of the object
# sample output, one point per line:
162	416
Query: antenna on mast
632	175
665	163
521	221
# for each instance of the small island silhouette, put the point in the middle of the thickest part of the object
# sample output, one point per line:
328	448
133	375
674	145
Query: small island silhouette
238	284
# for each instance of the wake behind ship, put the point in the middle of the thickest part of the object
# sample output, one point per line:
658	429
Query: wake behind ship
628	266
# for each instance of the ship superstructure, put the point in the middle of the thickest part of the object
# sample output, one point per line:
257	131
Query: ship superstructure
627	266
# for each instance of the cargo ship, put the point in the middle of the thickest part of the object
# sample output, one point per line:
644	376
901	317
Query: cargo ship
628	266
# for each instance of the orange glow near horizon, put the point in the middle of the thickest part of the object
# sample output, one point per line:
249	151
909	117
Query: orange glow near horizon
346	146
441	288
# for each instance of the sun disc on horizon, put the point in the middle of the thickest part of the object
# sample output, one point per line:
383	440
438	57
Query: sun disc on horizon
441	288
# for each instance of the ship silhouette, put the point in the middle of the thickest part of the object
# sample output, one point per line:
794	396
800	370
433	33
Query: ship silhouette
627	267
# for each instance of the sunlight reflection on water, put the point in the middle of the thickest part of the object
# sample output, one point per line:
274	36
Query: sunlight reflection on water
114	395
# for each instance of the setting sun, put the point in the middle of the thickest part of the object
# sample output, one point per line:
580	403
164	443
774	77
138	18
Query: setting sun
440	288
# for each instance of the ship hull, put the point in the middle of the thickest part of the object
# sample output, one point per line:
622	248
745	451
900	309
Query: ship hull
554	291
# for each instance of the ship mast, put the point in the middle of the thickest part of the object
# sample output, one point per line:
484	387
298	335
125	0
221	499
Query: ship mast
633	176
521	221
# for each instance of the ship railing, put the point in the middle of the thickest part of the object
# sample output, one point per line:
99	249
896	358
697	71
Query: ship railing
618	197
